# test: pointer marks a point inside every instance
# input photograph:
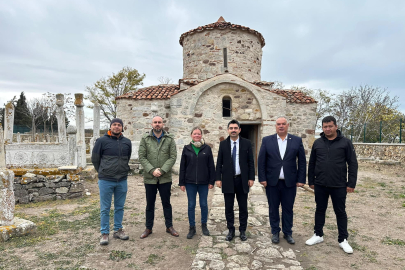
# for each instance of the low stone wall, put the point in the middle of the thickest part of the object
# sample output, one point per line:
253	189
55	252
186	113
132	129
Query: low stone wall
381	151
37	188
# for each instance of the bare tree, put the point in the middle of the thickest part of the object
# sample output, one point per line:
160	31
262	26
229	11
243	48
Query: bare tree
165	80
34	110
68	107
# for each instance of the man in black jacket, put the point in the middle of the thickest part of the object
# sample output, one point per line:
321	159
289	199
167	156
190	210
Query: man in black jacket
332	171
235	173
110	157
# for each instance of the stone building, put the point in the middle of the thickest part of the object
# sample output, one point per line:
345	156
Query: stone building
221	81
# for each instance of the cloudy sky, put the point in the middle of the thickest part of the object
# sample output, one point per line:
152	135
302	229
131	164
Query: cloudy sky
64	46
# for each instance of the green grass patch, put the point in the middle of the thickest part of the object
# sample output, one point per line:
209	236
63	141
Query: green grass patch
119	255
382	184
154	259
389	241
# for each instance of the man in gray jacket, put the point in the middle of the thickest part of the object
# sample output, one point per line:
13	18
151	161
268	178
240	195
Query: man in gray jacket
110	157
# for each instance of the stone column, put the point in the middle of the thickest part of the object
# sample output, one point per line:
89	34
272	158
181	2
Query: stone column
8	122
7	201
81	145
71	131
60	116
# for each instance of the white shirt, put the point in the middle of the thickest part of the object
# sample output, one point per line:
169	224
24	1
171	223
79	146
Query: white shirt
237	154
282	146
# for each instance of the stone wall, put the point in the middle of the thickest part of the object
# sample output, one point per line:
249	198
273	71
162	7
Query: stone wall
203	54
37	188
137	115
381	151
302	119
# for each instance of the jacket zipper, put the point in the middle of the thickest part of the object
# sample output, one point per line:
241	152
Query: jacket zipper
196	170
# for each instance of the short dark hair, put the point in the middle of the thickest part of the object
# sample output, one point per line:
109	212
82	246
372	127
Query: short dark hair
233	121
328	119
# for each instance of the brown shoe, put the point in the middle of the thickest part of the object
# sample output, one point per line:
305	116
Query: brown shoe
172	231
146	233
120	234
104	239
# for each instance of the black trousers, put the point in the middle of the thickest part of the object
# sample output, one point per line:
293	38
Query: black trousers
165	192
242	198
281	194
338	196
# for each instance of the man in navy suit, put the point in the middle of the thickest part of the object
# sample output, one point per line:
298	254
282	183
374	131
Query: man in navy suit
278	172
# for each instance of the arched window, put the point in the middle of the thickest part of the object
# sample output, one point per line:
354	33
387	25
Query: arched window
226	106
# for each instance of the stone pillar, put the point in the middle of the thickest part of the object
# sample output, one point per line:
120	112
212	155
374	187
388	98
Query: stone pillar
81	145
18	137
96	126
8	122
7	201
71	131
60	116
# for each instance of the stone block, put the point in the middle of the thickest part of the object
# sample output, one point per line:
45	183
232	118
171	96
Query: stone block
6	179
43	198
55	178
45	191
62	184
50	184
62	190
74	195
73	177
20	193
20	227
34	185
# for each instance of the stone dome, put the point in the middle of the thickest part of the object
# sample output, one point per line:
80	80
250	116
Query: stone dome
222	47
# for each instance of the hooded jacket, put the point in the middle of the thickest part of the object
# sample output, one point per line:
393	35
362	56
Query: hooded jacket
333	163
110	157
154	155
197	169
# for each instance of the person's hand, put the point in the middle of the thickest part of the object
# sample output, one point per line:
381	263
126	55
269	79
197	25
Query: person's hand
210	186
264	183
157	173
183	188
218	183
349	190
251	182
312	186
300	184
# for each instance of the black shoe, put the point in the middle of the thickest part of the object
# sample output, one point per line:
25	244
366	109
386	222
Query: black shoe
191	232
275	238
289	239
230	235
205	230
243	236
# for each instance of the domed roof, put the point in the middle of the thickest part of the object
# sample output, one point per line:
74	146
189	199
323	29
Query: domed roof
222	24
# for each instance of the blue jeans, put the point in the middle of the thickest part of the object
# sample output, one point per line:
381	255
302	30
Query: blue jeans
107	189
192	190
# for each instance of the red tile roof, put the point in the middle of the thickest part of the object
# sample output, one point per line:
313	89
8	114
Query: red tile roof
165	91
222	24
294	96
162	91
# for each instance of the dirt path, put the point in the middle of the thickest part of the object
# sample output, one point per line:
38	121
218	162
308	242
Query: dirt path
68	231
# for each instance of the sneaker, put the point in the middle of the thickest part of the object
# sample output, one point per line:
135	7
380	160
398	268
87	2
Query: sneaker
346	247
104	239
315	239
205	230
120	234
191	232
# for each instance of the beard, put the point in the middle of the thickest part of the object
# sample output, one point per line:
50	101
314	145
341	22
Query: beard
157	130
115	134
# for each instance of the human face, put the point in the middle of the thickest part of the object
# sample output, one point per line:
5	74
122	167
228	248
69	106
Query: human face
282	126
233	131
329	129
157	124
116	129
196	135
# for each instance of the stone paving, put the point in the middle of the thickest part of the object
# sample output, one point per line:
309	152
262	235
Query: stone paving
258	252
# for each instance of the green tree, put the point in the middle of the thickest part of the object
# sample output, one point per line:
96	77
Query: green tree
105	90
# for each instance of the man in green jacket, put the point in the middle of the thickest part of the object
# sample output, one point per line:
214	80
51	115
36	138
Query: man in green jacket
157	154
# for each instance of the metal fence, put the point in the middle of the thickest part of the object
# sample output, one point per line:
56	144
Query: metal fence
377	132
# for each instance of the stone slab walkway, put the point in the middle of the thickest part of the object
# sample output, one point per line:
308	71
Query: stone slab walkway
258	252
